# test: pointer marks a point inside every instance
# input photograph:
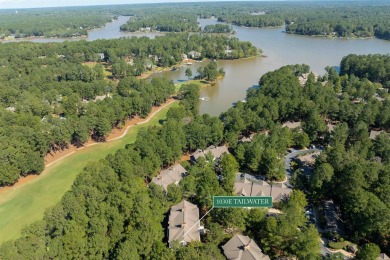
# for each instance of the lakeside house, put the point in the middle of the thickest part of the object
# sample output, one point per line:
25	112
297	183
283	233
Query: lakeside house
195	54
184	225
278	191
242	247
173	174
216	151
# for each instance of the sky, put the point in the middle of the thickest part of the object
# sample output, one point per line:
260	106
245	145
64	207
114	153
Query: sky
14	4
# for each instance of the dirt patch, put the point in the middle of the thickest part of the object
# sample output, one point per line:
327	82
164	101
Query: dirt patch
54	156
21	181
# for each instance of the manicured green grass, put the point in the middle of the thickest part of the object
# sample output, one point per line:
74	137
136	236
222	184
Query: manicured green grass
339	245
200	83
27	203
106	72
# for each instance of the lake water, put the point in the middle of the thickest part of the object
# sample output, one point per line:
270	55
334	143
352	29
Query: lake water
109	31
280	48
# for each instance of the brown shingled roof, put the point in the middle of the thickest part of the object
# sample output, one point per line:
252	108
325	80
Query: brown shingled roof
278	191
216	151
168	176
242	247
182	219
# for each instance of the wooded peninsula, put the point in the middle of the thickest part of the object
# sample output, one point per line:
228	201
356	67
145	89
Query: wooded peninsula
318	145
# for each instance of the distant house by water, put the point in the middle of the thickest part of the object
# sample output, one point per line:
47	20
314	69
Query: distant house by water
194	54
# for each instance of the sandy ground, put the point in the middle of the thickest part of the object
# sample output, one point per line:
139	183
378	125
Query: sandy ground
185	157
54	157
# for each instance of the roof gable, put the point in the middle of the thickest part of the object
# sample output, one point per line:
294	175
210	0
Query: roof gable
183	218
242	248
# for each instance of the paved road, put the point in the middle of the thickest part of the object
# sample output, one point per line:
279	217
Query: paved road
324	249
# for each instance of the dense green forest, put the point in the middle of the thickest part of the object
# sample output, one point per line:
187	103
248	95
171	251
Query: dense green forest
322	18
111	213
56	94
53	22
163	22
53	95
348	21
375	67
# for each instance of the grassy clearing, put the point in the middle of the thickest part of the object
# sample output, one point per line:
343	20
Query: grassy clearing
201	83
106	71
27	203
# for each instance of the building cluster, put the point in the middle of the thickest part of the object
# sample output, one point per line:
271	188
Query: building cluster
278	191
184	224
184	227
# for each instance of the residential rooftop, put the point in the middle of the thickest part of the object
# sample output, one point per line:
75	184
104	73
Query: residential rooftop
173	174
216	151
278	191
183	223
242	247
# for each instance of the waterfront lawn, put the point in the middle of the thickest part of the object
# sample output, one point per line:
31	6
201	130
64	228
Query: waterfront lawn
26	204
